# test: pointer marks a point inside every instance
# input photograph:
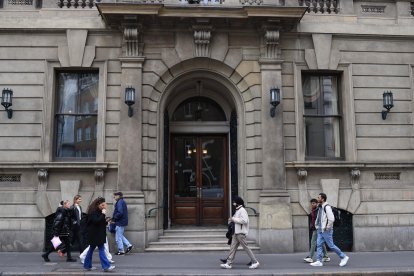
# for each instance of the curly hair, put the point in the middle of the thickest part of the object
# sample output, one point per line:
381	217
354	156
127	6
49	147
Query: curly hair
94	206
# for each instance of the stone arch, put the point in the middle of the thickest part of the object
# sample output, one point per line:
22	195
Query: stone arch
244	91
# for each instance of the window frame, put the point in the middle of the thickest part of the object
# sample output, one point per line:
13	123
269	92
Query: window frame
346	103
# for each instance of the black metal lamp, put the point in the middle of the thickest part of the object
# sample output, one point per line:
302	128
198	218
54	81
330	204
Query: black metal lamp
130	99
388	103
6	101
274	100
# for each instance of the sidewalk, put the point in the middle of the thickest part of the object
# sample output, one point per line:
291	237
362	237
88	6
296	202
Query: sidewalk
372	263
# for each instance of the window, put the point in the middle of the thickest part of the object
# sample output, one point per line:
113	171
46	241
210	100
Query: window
199	109
322	116
76	95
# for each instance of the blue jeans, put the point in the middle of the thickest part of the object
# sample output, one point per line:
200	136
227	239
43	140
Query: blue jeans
88	259
327	237
120	239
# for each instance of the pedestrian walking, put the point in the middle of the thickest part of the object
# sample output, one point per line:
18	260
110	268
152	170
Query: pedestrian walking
314	233
96	231
76	227
108	255
241	229
120	218
324	225
61	228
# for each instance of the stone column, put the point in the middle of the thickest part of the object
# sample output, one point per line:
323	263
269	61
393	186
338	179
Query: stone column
130	139
276	234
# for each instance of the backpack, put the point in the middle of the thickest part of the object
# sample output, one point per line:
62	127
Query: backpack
337	215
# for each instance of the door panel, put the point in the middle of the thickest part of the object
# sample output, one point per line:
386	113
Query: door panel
199	180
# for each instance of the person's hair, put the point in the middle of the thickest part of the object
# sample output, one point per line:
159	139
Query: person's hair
94	206
314	200
76	197
238	200
323	195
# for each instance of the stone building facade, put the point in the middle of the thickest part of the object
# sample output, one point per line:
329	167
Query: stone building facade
202	129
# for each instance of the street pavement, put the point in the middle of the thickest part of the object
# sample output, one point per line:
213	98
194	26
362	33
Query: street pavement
361	263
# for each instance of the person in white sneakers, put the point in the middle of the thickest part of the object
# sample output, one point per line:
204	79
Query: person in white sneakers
324	226
108	255
241	229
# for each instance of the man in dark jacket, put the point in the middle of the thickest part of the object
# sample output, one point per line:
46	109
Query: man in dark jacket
61	228
120	218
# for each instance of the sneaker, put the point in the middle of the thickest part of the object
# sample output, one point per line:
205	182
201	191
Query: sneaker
128	249
317	263
60	253
112	267
308	260
326	259
90	269
45	257
254	265
344	261
111	261
120	253
71	260
226	266
223	261
249	263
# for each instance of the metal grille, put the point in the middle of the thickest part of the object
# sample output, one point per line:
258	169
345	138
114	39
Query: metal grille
387	176
21	2
10	177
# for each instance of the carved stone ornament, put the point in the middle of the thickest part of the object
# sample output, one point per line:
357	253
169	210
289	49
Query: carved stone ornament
133	47
302	174
355	174
99	175
202	37
42	175
271	39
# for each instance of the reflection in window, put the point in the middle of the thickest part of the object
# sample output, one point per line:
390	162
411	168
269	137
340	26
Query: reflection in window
322	116
76	109
199	109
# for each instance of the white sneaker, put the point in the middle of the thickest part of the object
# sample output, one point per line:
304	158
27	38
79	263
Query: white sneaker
111	261
317	263
308	260
112	267
326	259
254	265
226	266
344	260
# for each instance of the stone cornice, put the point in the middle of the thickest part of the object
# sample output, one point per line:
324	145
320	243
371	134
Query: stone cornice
345	164
58	165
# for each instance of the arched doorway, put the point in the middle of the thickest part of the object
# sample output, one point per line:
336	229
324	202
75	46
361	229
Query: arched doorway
199	170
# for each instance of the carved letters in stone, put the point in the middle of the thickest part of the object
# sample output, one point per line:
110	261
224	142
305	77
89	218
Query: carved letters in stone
133	47
202	37
271	39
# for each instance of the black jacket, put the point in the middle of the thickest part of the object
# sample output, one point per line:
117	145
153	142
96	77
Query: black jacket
96	228
62	223
230	232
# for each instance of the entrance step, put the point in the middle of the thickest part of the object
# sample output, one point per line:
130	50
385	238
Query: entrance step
190	239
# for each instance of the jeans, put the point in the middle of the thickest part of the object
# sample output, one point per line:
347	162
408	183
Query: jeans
313	245
120	239
108	255
88	260
327	237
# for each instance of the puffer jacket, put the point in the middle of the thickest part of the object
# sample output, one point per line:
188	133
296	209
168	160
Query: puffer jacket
241	221
62	223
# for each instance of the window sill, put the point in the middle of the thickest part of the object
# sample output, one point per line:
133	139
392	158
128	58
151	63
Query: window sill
82	165
346	164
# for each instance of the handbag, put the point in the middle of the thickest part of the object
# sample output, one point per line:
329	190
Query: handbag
56	241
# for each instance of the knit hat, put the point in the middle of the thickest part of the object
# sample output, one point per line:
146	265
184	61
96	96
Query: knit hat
238	200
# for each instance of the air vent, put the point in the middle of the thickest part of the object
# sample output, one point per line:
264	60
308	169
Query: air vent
387	176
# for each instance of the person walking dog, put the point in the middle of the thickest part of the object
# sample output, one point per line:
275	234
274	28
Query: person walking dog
120	218
324	226
241	229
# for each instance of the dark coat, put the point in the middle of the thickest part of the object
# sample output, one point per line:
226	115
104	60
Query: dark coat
96	228
230	232
120	216
62	223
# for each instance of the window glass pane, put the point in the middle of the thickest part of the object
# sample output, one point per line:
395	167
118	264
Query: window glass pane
76	93
320	95
322	137
185	167
199	109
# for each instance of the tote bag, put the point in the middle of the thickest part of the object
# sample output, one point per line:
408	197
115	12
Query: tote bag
56	241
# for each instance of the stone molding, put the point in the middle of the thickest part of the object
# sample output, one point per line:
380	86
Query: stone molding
132	45
303	189
202	39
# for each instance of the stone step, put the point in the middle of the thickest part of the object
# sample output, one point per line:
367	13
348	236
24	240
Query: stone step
195	232
194	249
183	243
193	237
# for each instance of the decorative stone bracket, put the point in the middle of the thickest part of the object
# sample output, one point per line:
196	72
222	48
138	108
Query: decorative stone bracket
202	38
133	47
303	189
42	201
271	41
99	183
355	199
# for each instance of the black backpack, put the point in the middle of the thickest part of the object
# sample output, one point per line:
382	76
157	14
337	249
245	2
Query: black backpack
337	215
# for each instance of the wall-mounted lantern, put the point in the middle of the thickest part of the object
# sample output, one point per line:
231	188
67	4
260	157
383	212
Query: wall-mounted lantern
6	101
274	100
130	99
388	103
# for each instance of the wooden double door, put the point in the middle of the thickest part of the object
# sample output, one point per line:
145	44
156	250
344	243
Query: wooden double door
199	180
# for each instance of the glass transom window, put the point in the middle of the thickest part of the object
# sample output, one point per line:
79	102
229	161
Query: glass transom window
199	109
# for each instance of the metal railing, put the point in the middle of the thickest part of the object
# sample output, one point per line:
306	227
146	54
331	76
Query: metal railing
255	213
